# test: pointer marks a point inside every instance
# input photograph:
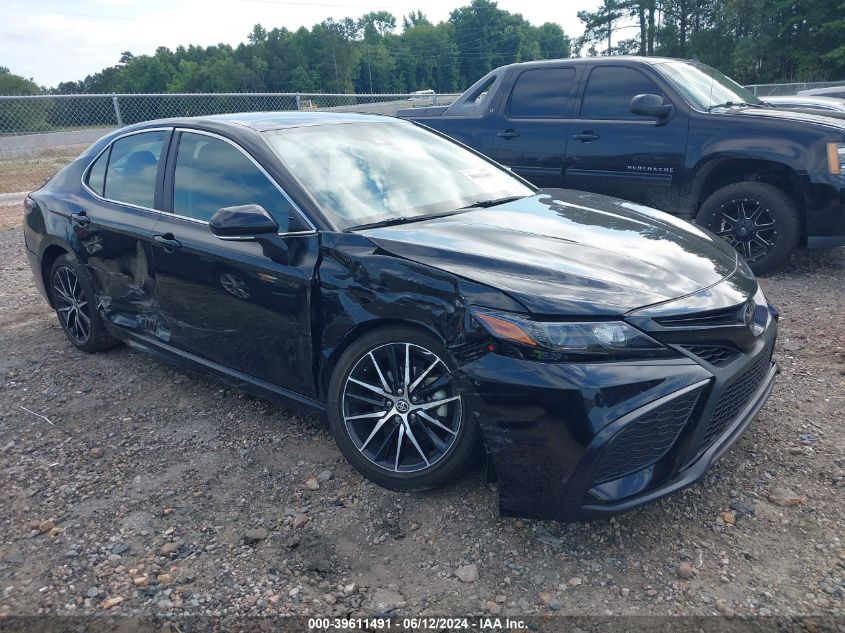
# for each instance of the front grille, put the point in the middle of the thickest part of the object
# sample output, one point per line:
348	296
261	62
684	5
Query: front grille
718	355
471	351
736	396
715	318
646	439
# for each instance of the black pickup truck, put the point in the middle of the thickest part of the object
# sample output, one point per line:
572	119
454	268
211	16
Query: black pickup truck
671	134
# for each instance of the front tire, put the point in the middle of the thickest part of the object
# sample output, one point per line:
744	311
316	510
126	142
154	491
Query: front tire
758	220
73	295
396	412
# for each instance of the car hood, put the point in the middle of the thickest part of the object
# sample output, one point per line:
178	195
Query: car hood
802	116
563	252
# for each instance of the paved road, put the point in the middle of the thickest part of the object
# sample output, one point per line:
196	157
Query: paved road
24	144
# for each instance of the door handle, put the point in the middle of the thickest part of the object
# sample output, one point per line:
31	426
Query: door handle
169	242
586	136
508	134
80	219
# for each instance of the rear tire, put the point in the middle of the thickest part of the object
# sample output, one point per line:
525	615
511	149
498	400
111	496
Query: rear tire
371	388
74	299
757	219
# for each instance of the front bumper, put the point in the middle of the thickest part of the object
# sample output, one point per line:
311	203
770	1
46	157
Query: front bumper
581	441
696	470
825	208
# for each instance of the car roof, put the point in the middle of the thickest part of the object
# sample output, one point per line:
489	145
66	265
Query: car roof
265	121
597	60
822	91
806	99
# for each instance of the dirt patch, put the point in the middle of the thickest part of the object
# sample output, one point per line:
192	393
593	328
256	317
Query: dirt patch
11	216
181	496
27	172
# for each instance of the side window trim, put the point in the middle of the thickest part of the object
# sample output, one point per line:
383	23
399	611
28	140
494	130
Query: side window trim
170	179
108	148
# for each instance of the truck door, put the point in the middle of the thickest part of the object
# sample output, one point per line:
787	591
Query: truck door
533	123
618	153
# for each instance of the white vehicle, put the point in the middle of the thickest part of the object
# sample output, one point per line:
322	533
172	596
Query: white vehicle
421	95
807	102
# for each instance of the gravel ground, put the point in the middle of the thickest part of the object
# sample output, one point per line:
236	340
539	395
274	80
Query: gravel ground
147	490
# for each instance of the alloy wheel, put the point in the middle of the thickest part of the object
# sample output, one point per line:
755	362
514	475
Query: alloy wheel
71	304
401	407
748	225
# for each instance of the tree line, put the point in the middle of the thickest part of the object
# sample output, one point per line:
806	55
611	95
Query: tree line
370	54
753	41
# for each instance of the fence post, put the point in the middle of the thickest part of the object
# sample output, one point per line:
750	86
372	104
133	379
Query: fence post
117	110
298	99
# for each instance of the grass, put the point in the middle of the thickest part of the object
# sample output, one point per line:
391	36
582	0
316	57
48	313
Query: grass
25	173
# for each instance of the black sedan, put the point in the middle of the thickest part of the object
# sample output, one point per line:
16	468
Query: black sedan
432	304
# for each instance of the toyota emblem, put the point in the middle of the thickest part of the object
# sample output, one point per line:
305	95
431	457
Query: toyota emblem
748	316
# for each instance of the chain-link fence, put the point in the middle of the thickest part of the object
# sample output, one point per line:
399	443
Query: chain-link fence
51	113
784	90
39	134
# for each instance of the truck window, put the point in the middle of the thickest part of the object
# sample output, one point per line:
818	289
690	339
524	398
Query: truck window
541	93
480	93
610	89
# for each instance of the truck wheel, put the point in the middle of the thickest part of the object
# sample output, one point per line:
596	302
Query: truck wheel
758	220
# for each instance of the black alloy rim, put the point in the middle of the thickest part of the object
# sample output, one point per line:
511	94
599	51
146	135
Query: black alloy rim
749	226
71	304
401	407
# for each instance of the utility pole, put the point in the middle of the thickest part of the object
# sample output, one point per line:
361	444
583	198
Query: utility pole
369	68
336	75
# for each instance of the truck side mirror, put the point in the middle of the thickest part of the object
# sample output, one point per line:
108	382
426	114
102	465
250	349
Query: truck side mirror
651	105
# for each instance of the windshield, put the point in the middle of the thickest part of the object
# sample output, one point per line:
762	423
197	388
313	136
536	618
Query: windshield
703	86
362	173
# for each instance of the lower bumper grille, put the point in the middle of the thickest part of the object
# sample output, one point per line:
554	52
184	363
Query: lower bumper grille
736	396
718	355
648	438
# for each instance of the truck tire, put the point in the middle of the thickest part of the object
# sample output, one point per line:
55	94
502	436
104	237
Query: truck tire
757	219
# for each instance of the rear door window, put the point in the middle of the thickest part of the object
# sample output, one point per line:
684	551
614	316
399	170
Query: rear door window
132	168
542	93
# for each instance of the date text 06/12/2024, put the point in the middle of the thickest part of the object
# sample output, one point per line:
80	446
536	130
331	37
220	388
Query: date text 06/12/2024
414	624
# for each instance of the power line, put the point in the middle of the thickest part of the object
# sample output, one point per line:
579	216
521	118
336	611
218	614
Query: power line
82	15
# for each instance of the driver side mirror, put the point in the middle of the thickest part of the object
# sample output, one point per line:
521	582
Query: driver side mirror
651	105
242	222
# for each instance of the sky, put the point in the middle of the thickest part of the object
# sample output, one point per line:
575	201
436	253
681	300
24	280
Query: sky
52	41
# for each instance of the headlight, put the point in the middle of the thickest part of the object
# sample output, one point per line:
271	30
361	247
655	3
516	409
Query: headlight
762	312
744	268
836	158
588	340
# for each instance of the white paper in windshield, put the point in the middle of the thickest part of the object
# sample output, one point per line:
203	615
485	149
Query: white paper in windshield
489	180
